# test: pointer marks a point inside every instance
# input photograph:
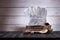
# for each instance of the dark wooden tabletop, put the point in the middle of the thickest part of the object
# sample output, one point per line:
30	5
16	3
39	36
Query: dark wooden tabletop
17	34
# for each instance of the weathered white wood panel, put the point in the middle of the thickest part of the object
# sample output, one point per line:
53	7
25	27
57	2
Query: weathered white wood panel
12	13
27	3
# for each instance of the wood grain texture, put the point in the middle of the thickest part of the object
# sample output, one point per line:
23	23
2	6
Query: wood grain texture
12	13
27	3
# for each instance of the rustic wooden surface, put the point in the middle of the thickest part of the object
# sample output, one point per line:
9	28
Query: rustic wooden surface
19	34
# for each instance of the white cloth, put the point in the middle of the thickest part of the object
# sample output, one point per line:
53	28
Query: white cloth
37	15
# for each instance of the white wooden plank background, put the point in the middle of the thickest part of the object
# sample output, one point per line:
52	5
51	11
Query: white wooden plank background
12	12
27	3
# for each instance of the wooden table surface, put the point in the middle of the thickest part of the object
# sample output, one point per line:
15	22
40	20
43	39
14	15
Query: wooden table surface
18	34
